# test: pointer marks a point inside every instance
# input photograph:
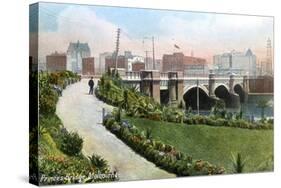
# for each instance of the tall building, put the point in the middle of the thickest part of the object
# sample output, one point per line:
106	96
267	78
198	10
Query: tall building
88	66
56	62
269	60
191	66
102	58
240	63
75	53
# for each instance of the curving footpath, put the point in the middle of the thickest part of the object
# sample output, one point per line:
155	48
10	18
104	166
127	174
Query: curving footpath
83	113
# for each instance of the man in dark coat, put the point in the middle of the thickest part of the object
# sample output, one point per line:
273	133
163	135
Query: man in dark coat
91	85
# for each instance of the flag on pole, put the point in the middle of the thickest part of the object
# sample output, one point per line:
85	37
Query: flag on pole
176	46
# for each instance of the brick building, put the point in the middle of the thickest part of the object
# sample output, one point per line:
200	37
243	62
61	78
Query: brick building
56	62
122	62
261	84
88	66
189	65
138	66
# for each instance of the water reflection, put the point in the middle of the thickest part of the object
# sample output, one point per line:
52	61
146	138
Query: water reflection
250	109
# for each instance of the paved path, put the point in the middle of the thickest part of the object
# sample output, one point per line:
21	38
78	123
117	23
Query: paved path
82	113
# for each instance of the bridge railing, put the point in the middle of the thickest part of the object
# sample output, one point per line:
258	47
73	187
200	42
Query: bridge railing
132	75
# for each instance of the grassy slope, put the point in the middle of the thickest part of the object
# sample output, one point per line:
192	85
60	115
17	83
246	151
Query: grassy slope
214	144
49	148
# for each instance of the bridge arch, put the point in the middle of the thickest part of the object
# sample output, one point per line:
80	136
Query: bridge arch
190	98
222	92
202	87
222	84
238	89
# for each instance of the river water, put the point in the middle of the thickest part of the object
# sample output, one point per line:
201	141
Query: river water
250	109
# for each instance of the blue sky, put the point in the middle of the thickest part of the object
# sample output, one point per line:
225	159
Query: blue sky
203	33
139	22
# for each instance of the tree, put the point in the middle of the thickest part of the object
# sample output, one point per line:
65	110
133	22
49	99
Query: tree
262	104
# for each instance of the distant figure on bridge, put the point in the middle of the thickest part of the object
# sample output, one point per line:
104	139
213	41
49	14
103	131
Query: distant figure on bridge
91	85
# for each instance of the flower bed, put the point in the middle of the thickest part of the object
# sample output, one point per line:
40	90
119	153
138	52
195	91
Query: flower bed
164	156
238	123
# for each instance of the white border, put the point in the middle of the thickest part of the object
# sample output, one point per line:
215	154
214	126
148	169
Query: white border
14	90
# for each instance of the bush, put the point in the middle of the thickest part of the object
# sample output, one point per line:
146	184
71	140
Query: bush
97	162
47	101
71	143
156	116
238	123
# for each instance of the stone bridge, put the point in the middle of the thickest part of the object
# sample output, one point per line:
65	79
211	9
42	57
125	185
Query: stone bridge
173	87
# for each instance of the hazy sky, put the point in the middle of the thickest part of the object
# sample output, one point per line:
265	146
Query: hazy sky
205	34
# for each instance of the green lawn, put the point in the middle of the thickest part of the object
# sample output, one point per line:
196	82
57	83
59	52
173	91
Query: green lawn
215	144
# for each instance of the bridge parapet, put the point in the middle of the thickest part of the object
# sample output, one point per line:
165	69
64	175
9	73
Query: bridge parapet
151	82
132	75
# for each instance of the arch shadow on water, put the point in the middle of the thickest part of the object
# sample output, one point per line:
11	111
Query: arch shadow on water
239	90
190	99
222	93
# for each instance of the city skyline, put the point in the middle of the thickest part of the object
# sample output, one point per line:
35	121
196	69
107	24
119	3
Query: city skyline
204	34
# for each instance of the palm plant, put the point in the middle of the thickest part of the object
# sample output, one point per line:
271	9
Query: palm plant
102	84
107	88
148	134
125	102
238	163
98	162
42	130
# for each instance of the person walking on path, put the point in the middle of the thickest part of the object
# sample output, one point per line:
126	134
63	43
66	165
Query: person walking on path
91	85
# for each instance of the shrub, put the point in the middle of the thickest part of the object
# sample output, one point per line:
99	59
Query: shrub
109	122
71	143
97	162
47	101
154	115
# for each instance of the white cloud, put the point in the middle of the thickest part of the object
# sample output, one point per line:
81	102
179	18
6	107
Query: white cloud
213	34
219	32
